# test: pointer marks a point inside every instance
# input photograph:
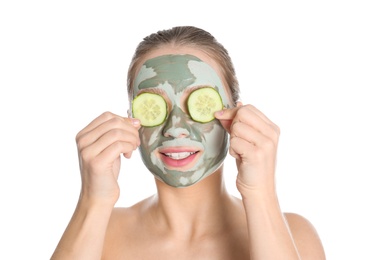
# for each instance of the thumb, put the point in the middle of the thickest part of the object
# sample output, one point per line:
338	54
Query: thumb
134	121
226	116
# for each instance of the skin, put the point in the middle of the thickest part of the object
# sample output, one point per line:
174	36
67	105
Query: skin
202	221
176	76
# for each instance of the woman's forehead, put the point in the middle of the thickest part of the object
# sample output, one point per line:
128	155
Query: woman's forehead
179	71
181	50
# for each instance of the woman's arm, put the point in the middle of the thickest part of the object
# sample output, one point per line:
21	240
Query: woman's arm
254	142
100	145
85	233
270	236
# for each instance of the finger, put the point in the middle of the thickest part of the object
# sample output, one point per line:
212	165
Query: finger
249	134
117	122
96	122
249	115
134	121
113	151
127	155
226	114
112	136
226	117
239	147
265	118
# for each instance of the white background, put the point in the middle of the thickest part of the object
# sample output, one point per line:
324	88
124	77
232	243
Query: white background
313	67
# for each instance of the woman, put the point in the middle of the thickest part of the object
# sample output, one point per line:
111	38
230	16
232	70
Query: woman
192	216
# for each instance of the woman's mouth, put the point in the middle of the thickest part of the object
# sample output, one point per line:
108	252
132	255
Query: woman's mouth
179	156
179	159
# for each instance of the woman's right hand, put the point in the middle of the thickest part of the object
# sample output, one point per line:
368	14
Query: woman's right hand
100	145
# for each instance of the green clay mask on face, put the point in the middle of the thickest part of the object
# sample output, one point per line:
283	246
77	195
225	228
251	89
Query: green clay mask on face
180	151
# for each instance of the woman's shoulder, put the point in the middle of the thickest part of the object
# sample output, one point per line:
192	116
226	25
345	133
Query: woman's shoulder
126	224
130	213
127	220
305	235
299	224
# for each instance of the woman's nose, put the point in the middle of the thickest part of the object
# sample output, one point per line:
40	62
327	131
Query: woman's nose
177	125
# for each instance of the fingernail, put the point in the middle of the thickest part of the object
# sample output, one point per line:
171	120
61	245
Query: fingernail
135	122
220	113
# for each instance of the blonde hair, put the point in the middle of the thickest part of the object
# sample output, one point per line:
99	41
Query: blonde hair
186	36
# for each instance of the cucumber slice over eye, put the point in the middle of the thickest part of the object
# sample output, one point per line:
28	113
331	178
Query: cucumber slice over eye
150	109
202	103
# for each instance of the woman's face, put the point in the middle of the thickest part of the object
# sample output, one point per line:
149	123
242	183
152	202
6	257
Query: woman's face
181	152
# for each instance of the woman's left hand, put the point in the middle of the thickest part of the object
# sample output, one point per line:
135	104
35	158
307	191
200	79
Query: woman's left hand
253	143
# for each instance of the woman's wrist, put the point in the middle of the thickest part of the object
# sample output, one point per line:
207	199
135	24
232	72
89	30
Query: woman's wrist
90	203
259	191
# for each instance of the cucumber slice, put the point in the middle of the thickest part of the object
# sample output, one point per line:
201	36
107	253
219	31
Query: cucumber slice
150	109
202	103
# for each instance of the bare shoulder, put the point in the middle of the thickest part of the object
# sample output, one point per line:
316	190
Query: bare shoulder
123	230
126	215
305	236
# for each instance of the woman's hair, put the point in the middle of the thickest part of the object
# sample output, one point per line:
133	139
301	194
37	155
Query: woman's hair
191	37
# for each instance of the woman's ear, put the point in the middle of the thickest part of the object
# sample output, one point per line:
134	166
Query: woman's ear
239	104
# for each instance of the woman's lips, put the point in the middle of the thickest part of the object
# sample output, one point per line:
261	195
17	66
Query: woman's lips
175	158
179	156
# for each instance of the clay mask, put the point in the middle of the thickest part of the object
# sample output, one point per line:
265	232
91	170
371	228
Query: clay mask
181	152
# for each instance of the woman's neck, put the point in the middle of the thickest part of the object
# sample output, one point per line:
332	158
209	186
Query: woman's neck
195	210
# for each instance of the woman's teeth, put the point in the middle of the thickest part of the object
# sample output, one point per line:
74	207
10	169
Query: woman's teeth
179	156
